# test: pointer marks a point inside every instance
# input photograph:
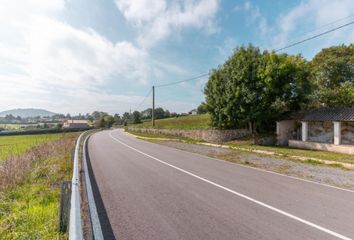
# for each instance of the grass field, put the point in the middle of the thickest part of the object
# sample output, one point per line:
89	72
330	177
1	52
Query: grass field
29	204
16	145
185	122
10	126
286	151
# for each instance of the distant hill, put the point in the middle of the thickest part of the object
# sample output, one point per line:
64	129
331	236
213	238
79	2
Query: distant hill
27	112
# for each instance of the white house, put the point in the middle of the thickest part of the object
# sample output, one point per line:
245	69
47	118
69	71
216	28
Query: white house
75	124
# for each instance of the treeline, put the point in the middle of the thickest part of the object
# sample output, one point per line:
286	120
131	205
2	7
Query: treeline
253	88
102	119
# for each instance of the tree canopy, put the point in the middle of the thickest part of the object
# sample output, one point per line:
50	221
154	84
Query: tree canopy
253	88
332	74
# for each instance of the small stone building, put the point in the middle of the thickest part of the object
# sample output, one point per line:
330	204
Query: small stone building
329	129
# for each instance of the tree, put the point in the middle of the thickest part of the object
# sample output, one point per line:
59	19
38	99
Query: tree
167	114
9	118
233	90
136	117
332	74
253	88
117	119
99	123
286	87
159	113
202	108
126	118
146	114
108	121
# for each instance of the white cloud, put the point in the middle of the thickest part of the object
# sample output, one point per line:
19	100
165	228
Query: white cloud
311	15
158	20
47	63
69	56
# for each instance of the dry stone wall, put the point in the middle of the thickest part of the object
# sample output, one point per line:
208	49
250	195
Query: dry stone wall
206	135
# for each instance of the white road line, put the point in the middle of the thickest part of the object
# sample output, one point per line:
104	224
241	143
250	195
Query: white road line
261	170
239	194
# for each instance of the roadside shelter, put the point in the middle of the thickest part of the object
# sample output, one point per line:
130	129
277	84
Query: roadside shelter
329	129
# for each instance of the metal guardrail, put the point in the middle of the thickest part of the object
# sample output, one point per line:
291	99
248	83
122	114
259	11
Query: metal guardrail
75	222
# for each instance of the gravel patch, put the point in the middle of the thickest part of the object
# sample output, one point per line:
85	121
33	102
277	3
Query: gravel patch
316	172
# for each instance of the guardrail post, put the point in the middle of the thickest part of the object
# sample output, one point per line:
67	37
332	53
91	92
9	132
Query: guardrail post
64	209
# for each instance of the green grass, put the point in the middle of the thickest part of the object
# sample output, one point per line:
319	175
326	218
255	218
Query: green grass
10	126
29	210
157	137
286	151
17	145
201	121
17	126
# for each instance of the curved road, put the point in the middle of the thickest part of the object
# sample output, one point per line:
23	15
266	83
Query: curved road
148	191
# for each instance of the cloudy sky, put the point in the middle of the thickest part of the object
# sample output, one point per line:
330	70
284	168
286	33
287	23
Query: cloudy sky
74	56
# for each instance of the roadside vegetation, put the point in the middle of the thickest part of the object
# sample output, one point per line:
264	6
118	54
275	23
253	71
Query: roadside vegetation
201	121
30	186
17	145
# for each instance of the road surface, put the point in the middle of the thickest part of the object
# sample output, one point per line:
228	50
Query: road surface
148	191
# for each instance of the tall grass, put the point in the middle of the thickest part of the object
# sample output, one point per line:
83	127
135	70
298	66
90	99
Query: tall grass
17	145
201	121
30	189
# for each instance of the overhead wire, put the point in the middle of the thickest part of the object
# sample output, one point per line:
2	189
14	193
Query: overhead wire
146	96
315	36
276	50
186	80
325	25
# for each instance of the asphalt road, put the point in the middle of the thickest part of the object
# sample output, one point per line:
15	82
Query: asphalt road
148	191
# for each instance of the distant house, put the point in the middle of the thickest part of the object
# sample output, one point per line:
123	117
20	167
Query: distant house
193	112
329	129
75	124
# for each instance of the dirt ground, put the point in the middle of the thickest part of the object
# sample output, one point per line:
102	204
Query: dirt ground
316	172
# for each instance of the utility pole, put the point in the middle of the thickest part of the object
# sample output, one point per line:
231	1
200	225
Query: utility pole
153	107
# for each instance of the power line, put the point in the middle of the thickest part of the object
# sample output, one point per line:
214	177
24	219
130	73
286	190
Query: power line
146	96
186	80
325	25
288	46
277	50
316	36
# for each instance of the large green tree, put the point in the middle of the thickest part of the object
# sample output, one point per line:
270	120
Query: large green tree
253	88
332	73
136	117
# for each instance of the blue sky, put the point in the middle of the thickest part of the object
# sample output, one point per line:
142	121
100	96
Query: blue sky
74	56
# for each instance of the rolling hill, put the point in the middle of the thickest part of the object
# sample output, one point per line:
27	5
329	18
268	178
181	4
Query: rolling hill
27	112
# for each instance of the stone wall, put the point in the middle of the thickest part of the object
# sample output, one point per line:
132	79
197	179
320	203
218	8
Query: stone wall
321	132
347	133
206	135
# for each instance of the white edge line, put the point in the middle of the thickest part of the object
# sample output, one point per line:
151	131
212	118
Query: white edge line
239	194
259	169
